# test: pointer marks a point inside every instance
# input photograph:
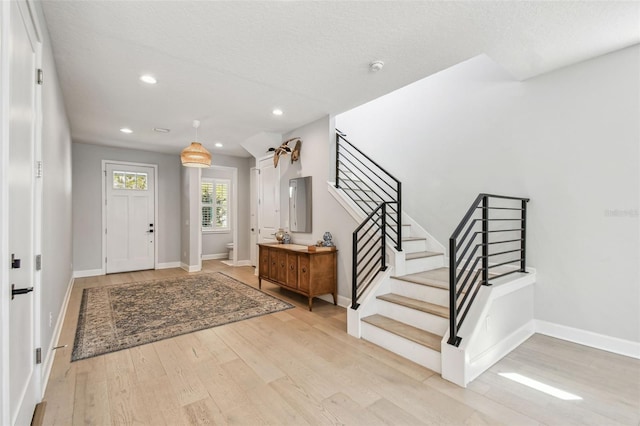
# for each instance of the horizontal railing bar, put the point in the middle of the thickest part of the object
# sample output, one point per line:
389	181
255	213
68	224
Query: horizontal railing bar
504	263
505	241
468	272
357	185
499	208
358	176
502	252
367	157
466	311
368	217
506	273
504	197
365	174
471	283
369	254
369	265
464	252
468	258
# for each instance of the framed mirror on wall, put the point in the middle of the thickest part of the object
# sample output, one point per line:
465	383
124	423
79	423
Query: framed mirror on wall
300	204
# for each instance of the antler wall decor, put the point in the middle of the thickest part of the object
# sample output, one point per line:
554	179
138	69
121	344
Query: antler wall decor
284	149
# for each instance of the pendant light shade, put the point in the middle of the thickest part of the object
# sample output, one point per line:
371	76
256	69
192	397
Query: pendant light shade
195	155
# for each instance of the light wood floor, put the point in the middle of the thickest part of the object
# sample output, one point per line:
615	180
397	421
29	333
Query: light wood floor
298	367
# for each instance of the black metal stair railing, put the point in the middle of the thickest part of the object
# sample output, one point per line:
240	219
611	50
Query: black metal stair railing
494	228
379	195
367	184
369	252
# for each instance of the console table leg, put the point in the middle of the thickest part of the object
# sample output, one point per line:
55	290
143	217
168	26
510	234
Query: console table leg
310	303
335	299
259	283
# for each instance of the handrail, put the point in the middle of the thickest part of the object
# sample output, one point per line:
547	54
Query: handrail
465	282
357	173
362	277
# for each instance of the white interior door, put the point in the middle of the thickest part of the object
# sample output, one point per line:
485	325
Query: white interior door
268	200
24	382
130	217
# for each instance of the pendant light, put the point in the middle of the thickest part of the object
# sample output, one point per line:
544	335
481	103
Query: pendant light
195	155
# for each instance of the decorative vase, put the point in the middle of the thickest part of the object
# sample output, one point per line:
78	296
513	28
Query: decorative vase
286	239
279	235
327	239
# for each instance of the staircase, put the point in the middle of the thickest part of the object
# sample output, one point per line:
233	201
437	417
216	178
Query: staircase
403	303
410	314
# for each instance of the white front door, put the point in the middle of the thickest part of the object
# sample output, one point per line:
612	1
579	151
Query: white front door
24	382
268	200
130	217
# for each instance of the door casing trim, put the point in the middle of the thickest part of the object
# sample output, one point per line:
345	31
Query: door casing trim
104	211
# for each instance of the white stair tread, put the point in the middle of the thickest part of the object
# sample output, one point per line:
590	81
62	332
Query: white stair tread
421	254
414	239
416	304
424	338
438	278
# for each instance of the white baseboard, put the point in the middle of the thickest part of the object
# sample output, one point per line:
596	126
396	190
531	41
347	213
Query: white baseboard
345	302
215	256
48	362
589	338
168	265
482	362
88	273
190	268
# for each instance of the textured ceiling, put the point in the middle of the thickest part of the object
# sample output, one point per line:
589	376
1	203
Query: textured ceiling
230	63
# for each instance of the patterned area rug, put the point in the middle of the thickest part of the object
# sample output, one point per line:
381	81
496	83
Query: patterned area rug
122	316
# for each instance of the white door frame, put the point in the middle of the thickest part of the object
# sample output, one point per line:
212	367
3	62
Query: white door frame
277	194
157	231
253	210
234	211
5	62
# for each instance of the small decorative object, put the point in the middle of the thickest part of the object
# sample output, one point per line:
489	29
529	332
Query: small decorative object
286	239
284	149
279	235
319	243
327	240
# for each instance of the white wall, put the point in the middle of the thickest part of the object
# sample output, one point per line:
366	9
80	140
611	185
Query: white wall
568	139
87	202
318	140
190	217
57	240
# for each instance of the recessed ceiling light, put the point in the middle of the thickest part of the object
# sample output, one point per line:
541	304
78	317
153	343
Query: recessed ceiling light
149	79
126	130
218	145
161	130
277	111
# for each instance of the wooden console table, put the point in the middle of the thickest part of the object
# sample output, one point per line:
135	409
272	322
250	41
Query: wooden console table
294	267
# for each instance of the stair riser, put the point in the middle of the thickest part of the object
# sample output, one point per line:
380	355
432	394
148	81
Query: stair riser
406	231
414	246
405	348
419	319
420	292
423	264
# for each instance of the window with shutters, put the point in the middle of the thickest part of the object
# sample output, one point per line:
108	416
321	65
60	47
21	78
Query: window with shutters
215	205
